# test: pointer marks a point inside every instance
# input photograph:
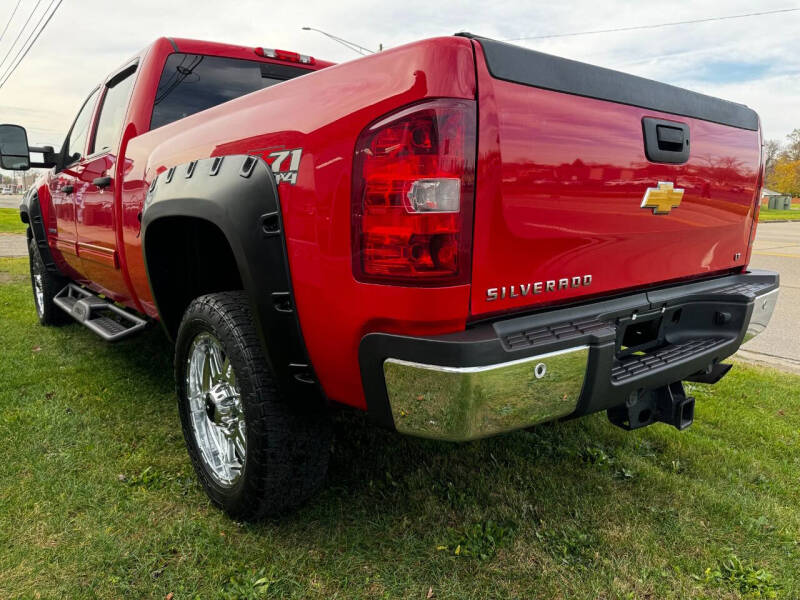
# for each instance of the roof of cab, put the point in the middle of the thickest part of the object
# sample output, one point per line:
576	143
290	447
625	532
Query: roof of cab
233	51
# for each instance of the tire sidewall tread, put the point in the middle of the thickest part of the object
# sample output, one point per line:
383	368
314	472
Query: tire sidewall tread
287	446
52	283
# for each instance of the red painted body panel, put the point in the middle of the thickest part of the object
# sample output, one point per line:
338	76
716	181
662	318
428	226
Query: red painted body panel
559	183
89	233
58	211
323	113
96	226
559	186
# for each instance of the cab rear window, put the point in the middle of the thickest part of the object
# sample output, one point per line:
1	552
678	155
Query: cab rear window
194	82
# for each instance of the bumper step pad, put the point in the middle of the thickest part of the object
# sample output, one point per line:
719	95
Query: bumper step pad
638	365
552	333
102	316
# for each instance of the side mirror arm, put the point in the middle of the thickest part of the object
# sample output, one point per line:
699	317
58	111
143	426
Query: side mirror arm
50	158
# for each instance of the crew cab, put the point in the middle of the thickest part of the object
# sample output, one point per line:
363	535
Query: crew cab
458	236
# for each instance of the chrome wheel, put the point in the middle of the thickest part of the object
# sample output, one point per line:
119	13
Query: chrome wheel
215	407
38	292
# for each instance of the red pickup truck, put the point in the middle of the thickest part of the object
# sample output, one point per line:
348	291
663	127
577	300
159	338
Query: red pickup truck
458	236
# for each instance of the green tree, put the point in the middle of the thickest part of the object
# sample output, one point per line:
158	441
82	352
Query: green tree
785	176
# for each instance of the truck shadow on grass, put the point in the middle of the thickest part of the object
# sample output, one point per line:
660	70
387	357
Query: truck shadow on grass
383	470
495	474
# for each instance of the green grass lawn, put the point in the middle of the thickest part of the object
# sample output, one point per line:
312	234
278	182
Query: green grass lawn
767	214
9	221
98	499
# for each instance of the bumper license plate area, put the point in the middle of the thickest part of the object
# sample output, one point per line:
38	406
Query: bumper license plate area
639	333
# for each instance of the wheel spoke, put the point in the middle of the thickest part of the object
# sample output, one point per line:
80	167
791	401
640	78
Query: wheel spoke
231	459
206	378
197	373
239	440
226	372
197	403
192	380
39	292
220	443
215	362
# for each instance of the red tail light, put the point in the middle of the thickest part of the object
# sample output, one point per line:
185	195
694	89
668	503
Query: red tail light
413	192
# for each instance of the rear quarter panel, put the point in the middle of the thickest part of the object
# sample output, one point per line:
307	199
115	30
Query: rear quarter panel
322	113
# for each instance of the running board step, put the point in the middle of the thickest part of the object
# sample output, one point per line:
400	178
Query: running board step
103	317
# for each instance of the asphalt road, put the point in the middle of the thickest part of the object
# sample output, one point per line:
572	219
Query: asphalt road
10	244
777	247
11	201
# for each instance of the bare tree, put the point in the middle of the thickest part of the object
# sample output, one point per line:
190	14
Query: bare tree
772	149
792	151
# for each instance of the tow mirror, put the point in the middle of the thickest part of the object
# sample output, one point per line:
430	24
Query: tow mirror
14	152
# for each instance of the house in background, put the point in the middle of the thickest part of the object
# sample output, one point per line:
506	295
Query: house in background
772	199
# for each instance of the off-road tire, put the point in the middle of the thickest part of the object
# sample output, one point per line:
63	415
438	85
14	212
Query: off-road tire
288	445
51	284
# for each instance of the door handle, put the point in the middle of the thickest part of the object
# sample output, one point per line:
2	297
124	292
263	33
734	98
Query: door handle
669	138
67	189
102	182
665	141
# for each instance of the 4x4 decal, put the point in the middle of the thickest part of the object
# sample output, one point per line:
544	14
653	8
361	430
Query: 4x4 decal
285	164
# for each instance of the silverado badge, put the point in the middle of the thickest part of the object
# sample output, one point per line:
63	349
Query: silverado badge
662	199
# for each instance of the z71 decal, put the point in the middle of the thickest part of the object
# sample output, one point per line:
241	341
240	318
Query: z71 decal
285	164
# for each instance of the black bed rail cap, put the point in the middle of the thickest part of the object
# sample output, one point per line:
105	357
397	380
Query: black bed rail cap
537	69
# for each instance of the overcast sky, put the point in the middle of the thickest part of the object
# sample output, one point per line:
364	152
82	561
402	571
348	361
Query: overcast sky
753	60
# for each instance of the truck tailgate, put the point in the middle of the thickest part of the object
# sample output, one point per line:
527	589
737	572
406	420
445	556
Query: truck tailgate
562	208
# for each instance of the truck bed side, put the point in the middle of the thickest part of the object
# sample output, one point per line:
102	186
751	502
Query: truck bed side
321	113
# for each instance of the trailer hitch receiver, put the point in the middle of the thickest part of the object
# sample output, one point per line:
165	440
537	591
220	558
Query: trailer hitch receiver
668	404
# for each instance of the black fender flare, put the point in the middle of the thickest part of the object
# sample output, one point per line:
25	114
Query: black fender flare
30	212
238	194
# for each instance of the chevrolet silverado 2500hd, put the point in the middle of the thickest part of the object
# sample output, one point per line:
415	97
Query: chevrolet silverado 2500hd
458	236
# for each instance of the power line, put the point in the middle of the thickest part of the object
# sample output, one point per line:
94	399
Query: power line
30	35
19	35
654	26
7	77
11	18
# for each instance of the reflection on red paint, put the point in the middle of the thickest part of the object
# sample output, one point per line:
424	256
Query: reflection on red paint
561	180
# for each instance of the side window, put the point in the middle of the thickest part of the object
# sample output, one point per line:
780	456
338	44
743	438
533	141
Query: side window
76	140
112	113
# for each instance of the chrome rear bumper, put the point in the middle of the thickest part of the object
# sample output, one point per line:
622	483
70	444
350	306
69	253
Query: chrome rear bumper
520	372
763	307
462	403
